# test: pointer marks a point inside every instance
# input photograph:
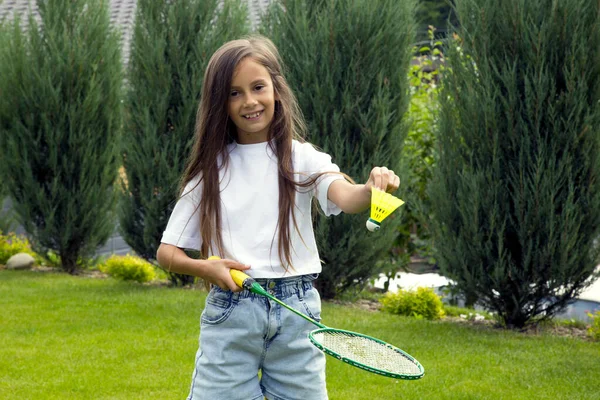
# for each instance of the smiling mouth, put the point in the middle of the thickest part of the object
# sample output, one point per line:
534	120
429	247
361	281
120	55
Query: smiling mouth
253	115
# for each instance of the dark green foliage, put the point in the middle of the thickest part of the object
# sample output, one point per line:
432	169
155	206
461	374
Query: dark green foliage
60	120
435	12
172	44
7	215
516	192
347	63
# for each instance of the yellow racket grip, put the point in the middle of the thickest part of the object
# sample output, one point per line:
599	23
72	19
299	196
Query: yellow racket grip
238	276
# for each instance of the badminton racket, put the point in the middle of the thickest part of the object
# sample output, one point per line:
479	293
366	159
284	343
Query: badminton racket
356	349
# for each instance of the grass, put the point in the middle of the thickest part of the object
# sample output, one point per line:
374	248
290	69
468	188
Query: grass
64	337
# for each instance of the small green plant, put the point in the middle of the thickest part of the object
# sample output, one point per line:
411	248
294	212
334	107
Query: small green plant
570	323
466	313
12	244
354	294
52	259
594	329
128	268
420	303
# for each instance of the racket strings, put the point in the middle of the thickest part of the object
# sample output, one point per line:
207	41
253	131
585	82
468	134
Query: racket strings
369	352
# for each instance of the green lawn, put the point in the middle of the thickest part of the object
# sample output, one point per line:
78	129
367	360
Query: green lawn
64	337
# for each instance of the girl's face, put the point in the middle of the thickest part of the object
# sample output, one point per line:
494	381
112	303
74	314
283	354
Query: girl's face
251	103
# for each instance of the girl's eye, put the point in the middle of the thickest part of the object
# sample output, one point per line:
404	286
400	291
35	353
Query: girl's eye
259	87
234	93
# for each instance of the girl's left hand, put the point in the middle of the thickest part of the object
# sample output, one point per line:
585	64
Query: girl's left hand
383	179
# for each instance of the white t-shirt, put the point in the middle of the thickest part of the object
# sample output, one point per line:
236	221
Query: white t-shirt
250	207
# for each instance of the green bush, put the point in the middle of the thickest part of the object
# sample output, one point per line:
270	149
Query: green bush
594	329
514	196
12	244
347	62
172	43
60	125
128	268
421	303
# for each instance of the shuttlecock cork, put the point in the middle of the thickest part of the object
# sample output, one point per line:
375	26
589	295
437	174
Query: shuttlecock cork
382	205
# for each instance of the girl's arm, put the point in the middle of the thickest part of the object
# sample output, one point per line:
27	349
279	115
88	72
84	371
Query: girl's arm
174	259
353	199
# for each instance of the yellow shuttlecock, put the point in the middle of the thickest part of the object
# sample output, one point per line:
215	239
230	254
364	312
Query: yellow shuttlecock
382	205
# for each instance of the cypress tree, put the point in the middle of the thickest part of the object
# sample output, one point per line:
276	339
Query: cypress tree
172	43
516	194
438	13
60	116
347	62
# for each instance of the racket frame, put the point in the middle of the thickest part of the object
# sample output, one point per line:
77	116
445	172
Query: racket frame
361	365
247	282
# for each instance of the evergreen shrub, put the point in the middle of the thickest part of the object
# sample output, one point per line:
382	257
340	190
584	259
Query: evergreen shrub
172	43
347	62
422	303
128	268
60	126
515	189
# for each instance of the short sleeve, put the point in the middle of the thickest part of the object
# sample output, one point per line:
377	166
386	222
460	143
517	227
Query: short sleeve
183	228
316	162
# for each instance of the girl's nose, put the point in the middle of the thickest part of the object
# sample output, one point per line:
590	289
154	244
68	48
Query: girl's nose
250	101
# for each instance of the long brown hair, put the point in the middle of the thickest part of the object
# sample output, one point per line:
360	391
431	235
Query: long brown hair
215	130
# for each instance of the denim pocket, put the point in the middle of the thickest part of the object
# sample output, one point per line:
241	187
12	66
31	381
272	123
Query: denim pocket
219	305
311	301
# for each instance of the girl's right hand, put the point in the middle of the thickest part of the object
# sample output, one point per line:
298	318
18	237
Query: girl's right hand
217	273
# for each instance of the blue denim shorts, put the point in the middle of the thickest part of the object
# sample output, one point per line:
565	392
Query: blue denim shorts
244	333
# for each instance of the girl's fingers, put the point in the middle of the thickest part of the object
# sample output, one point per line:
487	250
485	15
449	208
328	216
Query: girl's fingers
377	178
233	287
394	183
221	276
237	265
384	179
229	284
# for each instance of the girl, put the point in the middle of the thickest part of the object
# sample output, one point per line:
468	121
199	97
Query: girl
246	197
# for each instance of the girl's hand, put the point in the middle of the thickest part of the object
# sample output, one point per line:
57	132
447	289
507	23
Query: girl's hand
217	273
383	179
